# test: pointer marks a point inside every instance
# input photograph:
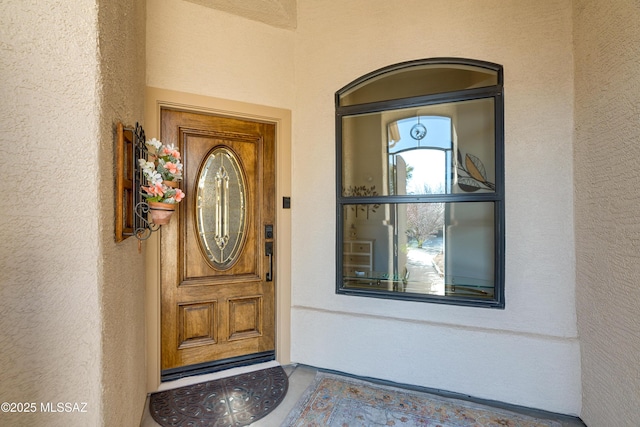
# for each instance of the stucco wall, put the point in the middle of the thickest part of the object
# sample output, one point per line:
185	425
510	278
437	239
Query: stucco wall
121	267
527	354
71	300
607	152
50	314
195	49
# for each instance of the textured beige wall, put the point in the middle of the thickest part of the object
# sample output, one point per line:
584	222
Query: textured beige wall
195	49
121	267
50	309
508	355
607	154
71	300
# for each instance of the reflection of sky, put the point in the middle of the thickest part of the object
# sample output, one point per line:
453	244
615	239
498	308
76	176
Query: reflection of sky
428	170
429	166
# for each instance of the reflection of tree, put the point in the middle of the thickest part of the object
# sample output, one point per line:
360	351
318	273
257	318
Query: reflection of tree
424	219
409	172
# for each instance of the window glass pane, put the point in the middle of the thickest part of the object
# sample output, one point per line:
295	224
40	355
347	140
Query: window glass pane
420	200
420	80
445	249
437	149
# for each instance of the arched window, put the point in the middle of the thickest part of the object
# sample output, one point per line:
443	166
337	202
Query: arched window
420	185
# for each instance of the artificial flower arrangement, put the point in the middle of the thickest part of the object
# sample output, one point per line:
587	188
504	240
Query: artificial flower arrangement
162	172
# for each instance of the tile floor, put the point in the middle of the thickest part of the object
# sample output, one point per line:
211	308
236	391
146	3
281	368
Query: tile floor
300	377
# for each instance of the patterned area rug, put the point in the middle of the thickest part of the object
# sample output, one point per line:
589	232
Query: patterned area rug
233	401
336	401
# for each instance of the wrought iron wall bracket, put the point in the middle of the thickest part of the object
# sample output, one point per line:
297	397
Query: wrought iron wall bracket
131	208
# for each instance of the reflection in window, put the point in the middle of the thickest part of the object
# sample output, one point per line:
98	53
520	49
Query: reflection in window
421	265
423	146
420	193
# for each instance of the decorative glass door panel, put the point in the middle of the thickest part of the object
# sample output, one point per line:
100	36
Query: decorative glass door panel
221	208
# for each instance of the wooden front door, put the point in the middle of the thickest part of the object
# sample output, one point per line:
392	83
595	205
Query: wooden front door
217	288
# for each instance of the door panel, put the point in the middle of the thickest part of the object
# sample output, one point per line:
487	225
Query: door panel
211	310
196	264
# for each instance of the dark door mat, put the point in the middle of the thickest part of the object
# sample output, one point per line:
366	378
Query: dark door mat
233	401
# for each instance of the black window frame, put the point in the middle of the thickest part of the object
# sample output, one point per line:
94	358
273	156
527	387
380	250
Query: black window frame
497	197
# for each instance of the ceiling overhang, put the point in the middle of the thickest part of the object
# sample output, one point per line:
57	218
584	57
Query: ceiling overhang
278	13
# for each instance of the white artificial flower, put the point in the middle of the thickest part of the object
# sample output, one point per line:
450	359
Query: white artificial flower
145	165
154	143
154	177
149	170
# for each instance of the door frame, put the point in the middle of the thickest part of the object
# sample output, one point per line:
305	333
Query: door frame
155	99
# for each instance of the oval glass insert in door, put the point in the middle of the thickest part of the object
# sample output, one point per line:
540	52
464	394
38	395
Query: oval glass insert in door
221	204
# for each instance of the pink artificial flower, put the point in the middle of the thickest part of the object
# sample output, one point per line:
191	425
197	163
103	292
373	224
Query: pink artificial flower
179	195
171	167
169	152
155	190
